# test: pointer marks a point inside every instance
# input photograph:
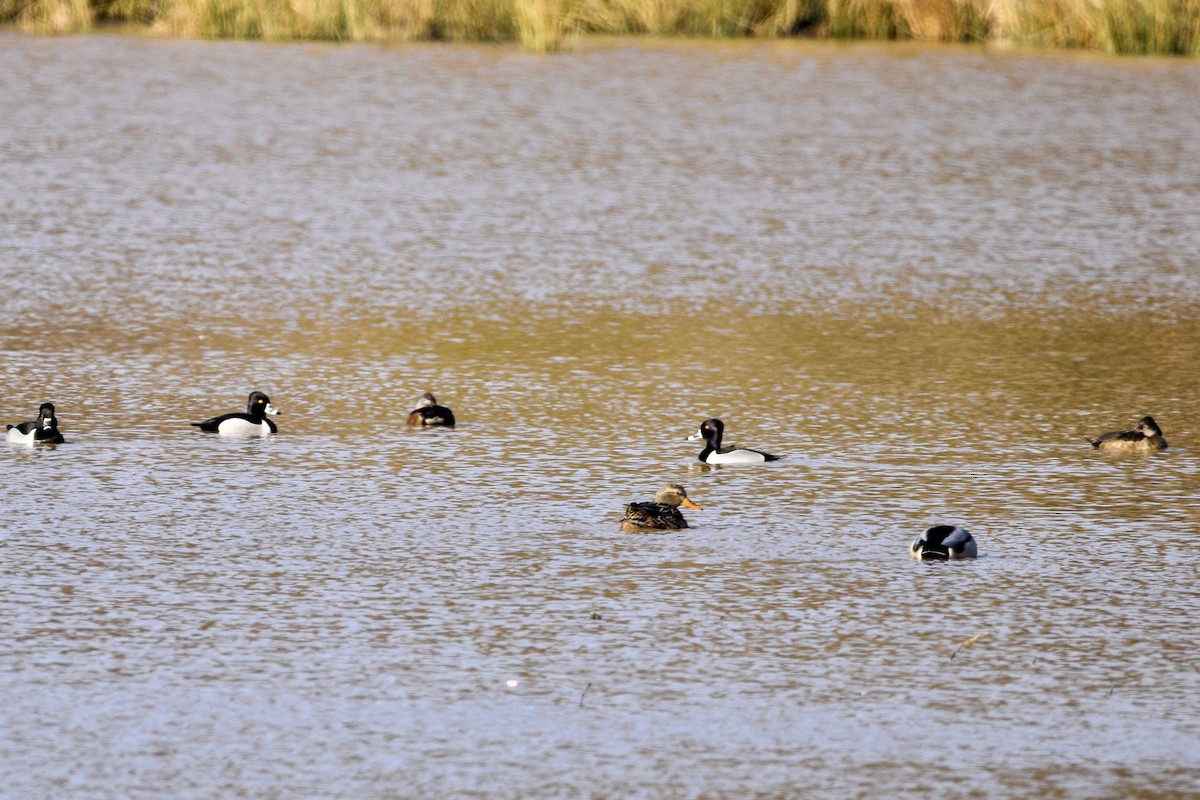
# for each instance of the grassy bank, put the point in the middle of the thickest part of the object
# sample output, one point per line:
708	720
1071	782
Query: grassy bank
1114	26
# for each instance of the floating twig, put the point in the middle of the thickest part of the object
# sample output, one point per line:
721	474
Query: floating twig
968	641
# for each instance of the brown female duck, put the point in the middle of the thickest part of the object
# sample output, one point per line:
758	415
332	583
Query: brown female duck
1146	437
661	515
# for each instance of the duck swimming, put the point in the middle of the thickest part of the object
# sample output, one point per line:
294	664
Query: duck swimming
711	431
944	543
1146	437
428	412
251	423
661	515
43	430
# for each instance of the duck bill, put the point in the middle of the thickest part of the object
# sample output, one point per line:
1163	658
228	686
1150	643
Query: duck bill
696	437
689	504
270	409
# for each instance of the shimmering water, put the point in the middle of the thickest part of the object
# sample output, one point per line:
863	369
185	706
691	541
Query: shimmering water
924	276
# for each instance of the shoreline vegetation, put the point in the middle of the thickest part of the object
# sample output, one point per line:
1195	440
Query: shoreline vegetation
1158	27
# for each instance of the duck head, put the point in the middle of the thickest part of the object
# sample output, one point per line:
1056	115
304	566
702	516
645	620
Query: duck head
260	404
1148	427
674	495
711	431
46	420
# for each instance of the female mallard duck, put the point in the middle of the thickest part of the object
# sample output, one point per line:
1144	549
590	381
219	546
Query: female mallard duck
661	515
428	412
1145	438
43	430
252	423
944	543
711	431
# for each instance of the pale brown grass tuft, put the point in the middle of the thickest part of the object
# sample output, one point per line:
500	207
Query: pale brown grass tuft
1115	26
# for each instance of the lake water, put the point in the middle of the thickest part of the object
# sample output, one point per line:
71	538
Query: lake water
923	276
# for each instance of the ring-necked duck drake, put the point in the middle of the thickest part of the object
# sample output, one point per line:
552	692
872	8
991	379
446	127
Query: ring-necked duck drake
252	423
428	412
944	543
661	515
42	430
1145	438
711	431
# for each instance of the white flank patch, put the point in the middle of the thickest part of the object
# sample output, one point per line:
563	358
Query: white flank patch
243	427
737	457
16	437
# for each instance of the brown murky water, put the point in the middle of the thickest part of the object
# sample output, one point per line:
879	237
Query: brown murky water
924	276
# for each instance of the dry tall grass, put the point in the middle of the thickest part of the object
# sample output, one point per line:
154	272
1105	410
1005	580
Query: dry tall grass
1114	26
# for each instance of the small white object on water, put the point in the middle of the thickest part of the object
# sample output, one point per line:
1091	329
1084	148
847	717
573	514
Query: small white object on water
510	683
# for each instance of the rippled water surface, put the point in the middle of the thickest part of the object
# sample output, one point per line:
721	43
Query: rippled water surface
924	277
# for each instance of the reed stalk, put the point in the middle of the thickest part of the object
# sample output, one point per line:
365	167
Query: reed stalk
540	24
1114	26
